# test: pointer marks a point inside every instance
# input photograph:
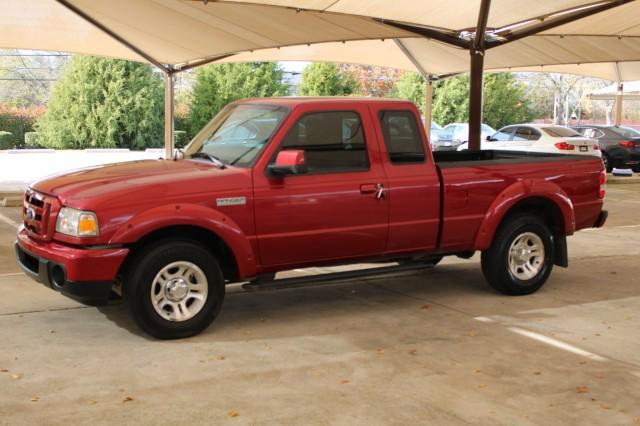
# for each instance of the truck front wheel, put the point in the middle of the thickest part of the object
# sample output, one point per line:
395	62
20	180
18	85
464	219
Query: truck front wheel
520	258
174	289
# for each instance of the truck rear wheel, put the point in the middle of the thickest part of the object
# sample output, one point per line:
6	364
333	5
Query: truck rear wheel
520	258
174	289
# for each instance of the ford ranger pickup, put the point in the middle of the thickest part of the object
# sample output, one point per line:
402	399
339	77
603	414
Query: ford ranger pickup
275	184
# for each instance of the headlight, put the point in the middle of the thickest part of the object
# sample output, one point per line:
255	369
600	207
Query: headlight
77	223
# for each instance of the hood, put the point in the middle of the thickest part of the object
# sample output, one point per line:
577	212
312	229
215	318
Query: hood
140	181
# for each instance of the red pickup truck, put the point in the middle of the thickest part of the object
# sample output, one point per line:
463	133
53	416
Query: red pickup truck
275	184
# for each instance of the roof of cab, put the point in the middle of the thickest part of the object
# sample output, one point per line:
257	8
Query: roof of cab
292	101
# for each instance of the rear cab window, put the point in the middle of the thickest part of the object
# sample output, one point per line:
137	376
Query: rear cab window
402	136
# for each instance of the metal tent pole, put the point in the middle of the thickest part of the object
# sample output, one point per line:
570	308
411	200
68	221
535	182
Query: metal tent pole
168	114
477	73
428	88
428	99
619	96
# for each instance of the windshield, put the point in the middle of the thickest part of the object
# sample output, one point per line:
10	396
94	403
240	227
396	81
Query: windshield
560	132
487	129
238	134
625	132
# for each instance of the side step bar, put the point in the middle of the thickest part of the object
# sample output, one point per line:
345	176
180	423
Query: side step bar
311	280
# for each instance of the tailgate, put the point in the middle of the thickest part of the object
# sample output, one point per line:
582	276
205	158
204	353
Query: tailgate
584	145
578	141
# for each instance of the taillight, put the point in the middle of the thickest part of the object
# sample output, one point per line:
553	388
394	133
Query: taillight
628	144
596	147
563	146
602	183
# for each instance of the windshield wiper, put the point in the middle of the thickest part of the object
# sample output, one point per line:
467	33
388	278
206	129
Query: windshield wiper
212	158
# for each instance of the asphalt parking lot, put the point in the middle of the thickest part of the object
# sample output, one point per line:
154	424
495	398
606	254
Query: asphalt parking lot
438	346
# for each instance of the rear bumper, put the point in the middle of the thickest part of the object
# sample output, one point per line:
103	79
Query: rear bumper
83	274
602	218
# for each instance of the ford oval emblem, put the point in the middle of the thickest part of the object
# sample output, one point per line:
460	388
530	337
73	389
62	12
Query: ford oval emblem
31	214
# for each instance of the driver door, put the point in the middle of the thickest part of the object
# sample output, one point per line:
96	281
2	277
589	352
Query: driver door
332	212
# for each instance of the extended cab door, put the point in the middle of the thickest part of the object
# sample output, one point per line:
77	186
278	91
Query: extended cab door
413	184
337	210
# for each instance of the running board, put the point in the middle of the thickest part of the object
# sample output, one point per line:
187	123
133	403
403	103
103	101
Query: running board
311	280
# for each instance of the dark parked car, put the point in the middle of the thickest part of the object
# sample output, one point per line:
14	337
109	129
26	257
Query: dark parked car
620	145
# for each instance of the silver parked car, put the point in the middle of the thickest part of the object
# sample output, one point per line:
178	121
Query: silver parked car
455	134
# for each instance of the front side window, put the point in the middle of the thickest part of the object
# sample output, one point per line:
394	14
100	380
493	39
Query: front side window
331	141
402	137
238	134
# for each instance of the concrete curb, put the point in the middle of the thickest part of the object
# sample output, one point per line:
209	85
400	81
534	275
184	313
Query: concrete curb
615	180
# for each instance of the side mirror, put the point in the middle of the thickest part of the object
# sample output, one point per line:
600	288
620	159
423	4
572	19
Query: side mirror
489	138
288	162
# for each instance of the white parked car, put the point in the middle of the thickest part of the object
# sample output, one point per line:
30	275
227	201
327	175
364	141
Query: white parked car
455	134
540	138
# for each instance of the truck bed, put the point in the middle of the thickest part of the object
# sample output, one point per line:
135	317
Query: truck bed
473	181
466	158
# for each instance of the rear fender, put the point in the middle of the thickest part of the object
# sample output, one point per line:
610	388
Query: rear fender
193	215
516	193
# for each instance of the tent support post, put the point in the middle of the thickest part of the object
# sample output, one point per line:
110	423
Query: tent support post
168	114
475	99
619	96
428	99
476	77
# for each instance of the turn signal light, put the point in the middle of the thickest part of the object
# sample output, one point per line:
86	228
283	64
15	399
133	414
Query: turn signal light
563	146
596	147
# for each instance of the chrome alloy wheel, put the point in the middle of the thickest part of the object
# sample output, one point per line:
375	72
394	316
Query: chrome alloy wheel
526	256
179	291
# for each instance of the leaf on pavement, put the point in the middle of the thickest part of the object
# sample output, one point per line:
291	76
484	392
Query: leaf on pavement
127	399
472	333
233	413
582	389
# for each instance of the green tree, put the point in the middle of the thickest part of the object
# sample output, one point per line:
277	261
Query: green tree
218	84
327	79
411	86
504	100
104	103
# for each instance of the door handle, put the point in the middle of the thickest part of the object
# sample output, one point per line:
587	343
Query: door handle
368	188
373	188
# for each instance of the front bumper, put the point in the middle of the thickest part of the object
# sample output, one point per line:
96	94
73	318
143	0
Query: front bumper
83	274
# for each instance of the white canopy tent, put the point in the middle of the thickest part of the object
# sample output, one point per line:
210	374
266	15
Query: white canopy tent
437	37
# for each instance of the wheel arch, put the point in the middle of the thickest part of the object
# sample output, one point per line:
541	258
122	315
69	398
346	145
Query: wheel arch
543	199
203	225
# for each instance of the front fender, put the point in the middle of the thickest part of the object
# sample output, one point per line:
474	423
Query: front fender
516	193
166	216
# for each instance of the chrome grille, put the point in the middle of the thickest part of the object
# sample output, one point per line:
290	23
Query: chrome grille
37	215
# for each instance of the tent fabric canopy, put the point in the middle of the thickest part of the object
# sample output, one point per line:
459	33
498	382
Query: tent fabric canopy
179	32
435	37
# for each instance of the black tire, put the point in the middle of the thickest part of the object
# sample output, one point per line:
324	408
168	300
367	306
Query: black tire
139	282
608	165
495	260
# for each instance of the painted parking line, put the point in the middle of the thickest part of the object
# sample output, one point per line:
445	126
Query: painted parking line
548	340
9	221
12	274
558	344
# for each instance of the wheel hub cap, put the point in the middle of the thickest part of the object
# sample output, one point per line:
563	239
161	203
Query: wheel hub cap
176	290
526	256
179	291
